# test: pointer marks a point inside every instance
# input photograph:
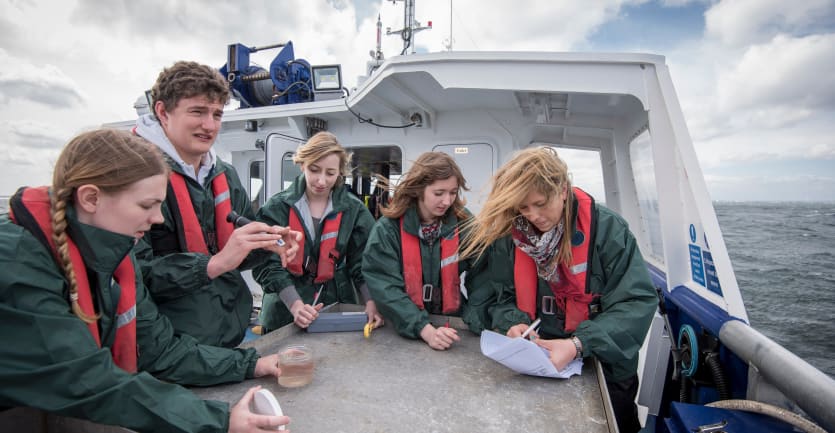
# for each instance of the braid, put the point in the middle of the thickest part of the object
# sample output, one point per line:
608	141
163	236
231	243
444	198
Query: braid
59	236
111	161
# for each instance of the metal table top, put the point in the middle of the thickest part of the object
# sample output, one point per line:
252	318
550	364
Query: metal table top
392	384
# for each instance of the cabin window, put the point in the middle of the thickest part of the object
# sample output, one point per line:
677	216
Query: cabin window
289	171
585	170
367	164
643	170
257	191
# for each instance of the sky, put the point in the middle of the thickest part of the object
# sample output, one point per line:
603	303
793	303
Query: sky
754	77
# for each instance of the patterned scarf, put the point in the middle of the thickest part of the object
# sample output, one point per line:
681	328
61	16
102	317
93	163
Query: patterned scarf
542	248
430	232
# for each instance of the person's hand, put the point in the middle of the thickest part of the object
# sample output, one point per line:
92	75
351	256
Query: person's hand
304	314
439	338
243	420
560	351
267	366
518	330
243	240
291	245
373	314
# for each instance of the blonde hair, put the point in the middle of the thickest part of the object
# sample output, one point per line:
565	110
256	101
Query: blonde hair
109	159
323	144
537	169
428	168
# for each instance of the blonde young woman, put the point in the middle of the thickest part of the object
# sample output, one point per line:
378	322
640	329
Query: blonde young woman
559	256
80	333
411	260
335	224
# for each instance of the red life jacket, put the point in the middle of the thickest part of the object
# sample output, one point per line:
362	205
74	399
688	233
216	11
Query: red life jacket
31	209
413	270
570	293
328	254
192	230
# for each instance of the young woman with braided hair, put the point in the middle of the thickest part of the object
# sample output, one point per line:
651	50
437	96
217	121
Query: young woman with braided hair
555	254
79	334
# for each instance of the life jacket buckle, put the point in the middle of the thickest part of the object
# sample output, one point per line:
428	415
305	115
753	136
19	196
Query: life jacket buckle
334	255
427	292
548	305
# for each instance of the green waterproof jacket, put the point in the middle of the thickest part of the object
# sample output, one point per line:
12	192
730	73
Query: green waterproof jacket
383	269
216	311
49	360
281	288
616	271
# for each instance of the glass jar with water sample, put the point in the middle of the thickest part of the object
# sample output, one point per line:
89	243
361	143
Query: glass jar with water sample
296	364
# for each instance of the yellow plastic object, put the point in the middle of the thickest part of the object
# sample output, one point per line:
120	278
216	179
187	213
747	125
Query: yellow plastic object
366	330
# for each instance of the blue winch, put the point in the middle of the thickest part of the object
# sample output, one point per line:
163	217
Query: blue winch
288	81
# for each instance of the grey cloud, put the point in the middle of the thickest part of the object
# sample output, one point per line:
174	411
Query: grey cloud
786	74
47	85
768	187
339	4
739	23
17	161
16	157
162	19
43	91
529	25
680	3
8	31
35	140
30	140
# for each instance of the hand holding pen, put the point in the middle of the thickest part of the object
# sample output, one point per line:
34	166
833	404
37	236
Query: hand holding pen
285	249
523	330
245	239
532	328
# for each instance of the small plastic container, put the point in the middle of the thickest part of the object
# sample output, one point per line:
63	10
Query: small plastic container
296	364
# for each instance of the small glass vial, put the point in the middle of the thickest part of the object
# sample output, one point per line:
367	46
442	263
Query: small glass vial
296	364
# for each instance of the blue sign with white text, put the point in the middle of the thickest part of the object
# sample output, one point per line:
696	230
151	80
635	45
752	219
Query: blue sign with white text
710	274
696	268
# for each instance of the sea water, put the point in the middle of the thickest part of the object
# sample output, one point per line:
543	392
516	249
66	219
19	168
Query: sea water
783	256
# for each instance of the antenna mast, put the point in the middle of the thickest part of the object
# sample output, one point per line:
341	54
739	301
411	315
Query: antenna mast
448	42
410	26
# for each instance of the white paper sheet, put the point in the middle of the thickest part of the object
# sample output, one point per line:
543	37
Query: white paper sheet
523	356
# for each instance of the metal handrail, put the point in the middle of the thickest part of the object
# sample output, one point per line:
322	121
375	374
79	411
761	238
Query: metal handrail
810	388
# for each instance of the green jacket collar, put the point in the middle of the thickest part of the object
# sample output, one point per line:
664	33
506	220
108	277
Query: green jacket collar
214	171
411	221
338	199
101	250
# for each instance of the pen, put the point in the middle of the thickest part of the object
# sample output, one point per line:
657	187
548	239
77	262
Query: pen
240	221
316	298
531	328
